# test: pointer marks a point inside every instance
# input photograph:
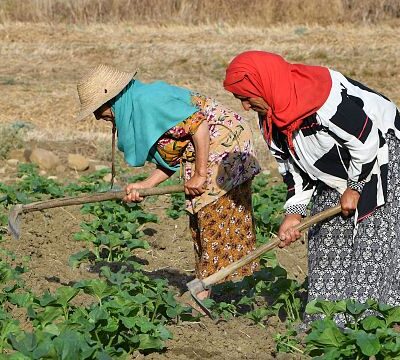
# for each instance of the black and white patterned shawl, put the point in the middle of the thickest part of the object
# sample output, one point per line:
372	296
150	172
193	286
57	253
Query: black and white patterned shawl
342	145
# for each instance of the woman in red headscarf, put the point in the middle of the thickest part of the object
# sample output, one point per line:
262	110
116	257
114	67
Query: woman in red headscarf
335	141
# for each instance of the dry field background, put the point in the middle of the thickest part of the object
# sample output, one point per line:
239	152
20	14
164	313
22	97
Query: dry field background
189	12
47	45
40	63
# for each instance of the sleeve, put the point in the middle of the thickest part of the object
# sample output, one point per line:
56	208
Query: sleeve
354	130
187	127
300	186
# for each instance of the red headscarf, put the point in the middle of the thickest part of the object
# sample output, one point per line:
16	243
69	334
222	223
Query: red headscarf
292	91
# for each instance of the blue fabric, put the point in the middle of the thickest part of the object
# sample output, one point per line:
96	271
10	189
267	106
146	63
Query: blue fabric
144	112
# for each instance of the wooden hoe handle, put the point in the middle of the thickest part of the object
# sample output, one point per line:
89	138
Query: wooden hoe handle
274	242
91	198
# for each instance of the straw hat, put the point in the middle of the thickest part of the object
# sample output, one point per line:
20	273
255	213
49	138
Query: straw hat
101	84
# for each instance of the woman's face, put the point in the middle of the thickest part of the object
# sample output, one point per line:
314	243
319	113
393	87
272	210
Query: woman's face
104	112
257	104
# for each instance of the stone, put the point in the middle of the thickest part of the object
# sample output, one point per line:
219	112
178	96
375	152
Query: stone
52	177
45	159
77	162
107	178
13	162
100	167
42	172
2	170
19	154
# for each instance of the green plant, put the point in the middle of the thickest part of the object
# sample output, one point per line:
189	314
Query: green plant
265	293
126	310
11	137
114	231
177	207
268	200
368	330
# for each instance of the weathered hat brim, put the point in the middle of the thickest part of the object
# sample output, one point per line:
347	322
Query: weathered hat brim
88	109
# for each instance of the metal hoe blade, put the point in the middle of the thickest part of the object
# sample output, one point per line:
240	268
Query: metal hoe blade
14	226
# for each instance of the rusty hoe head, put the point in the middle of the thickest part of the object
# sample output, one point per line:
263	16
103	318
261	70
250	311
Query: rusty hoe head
195	287
14	221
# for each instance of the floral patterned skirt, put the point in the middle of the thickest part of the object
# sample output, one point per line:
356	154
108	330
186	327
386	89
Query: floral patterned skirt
368	265
223	232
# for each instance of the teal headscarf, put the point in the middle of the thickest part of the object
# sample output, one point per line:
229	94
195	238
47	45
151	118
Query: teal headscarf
143	112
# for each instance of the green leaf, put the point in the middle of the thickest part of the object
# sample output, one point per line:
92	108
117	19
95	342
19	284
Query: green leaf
96	287
69	345
15	356
393	346
373	323
98	313
144	324
329	308
84	236
173	312
165	334
169	298
21	300
112	325
25	345
129	322
393	316
45	348
75	259
47	299
259	314
138	244
52	329
49	315
103	356
147	342
368	343
140	299
65	294
356	308
330	335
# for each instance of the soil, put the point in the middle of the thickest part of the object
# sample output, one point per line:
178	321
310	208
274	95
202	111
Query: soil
47	238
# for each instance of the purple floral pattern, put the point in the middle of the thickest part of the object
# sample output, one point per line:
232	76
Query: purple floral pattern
231	159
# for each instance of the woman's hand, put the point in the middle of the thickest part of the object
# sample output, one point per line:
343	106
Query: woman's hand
157	177
349	201
286	232
132	195
194	186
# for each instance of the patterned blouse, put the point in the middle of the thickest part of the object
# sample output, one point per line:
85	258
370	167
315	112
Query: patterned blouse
231	159
342	145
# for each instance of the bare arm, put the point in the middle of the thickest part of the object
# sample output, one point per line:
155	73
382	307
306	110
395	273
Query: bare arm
201	140
157	177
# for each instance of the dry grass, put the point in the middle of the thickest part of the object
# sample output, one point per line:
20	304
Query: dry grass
42	63
11	137
188	12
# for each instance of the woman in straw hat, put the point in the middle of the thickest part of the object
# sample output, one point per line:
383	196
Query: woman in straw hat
179	130
336	141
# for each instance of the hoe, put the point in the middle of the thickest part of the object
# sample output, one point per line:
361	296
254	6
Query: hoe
195	286
17	210
198	285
